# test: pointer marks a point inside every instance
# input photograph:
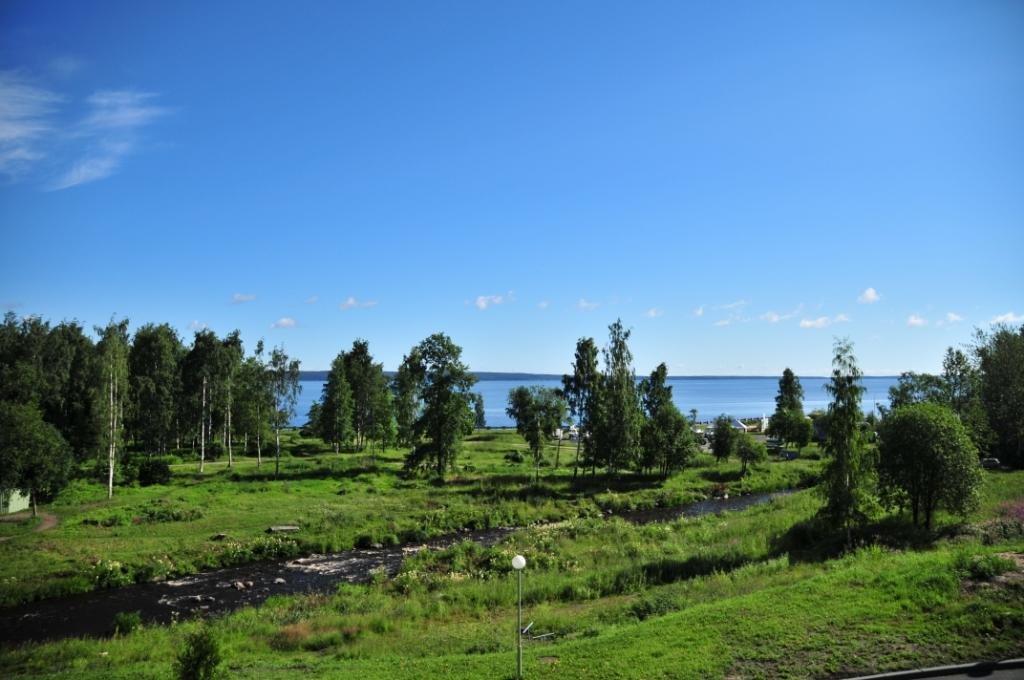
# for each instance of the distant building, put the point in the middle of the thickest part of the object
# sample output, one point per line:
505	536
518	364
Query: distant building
12	501
738	425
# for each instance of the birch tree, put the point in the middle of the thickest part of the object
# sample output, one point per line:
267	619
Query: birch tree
580	390
284	387
112	384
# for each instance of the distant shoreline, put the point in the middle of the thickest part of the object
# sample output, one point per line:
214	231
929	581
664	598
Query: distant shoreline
497	375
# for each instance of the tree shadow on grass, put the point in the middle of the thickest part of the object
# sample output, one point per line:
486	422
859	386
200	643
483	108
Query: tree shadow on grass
815	540
722	476
290	473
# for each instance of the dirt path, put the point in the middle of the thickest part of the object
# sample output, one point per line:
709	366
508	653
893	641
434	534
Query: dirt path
49	521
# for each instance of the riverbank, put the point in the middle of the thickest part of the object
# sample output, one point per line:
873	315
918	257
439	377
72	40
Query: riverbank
218	519
755	593
225	590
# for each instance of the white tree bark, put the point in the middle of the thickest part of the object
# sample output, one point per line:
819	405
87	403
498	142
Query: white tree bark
202	430
110	442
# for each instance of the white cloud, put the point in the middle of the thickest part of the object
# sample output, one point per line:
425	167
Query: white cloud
915	321
739	304
109	134
197	325
773	317
950	318
698	311
869	297
312	299
1009	317
823	321
654	313
723	322
543	304
90	149
587	305
485	301
284	322
25	121
239	298
352	303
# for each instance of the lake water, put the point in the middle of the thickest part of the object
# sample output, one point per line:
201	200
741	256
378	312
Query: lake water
741	397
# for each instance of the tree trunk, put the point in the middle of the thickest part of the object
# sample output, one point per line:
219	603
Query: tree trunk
33	495
576	463
110	443
259	433
228	426
558	451
277	459
202	430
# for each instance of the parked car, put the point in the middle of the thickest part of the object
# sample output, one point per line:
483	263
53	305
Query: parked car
990	463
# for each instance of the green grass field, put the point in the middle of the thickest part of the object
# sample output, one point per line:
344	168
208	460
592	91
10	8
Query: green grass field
339	501
765	592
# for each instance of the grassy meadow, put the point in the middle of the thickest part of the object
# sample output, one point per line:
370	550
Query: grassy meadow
765	592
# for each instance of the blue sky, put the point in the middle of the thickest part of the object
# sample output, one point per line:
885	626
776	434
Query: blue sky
739	182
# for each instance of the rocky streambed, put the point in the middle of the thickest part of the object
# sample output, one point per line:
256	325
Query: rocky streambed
223	590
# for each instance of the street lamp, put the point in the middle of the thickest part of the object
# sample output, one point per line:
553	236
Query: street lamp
519	563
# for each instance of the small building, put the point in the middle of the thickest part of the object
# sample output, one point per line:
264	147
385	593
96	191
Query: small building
12	501
738	425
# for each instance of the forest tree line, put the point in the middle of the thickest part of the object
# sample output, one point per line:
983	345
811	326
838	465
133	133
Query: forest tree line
86	400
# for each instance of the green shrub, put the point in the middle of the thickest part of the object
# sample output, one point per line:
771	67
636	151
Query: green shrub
162	511
981	567
199	657
154	471
111	574
126	622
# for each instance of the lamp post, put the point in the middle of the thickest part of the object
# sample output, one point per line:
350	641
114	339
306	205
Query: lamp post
519	563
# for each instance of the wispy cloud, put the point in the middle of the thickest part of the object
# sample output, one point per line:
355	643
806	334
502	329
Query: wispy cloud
543	304
312	299
916	321
587	305
823	321
25	118
284	322
698	311
654	313
239	298
734	309
950	318
1009	317
485	301
352	303
869	297
197	325
774	317
110	132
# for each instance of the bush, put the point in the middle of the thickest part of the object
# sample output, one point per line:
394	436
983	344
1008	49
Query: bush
214	450
154	471
982	567
126	622
199	658
162	511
